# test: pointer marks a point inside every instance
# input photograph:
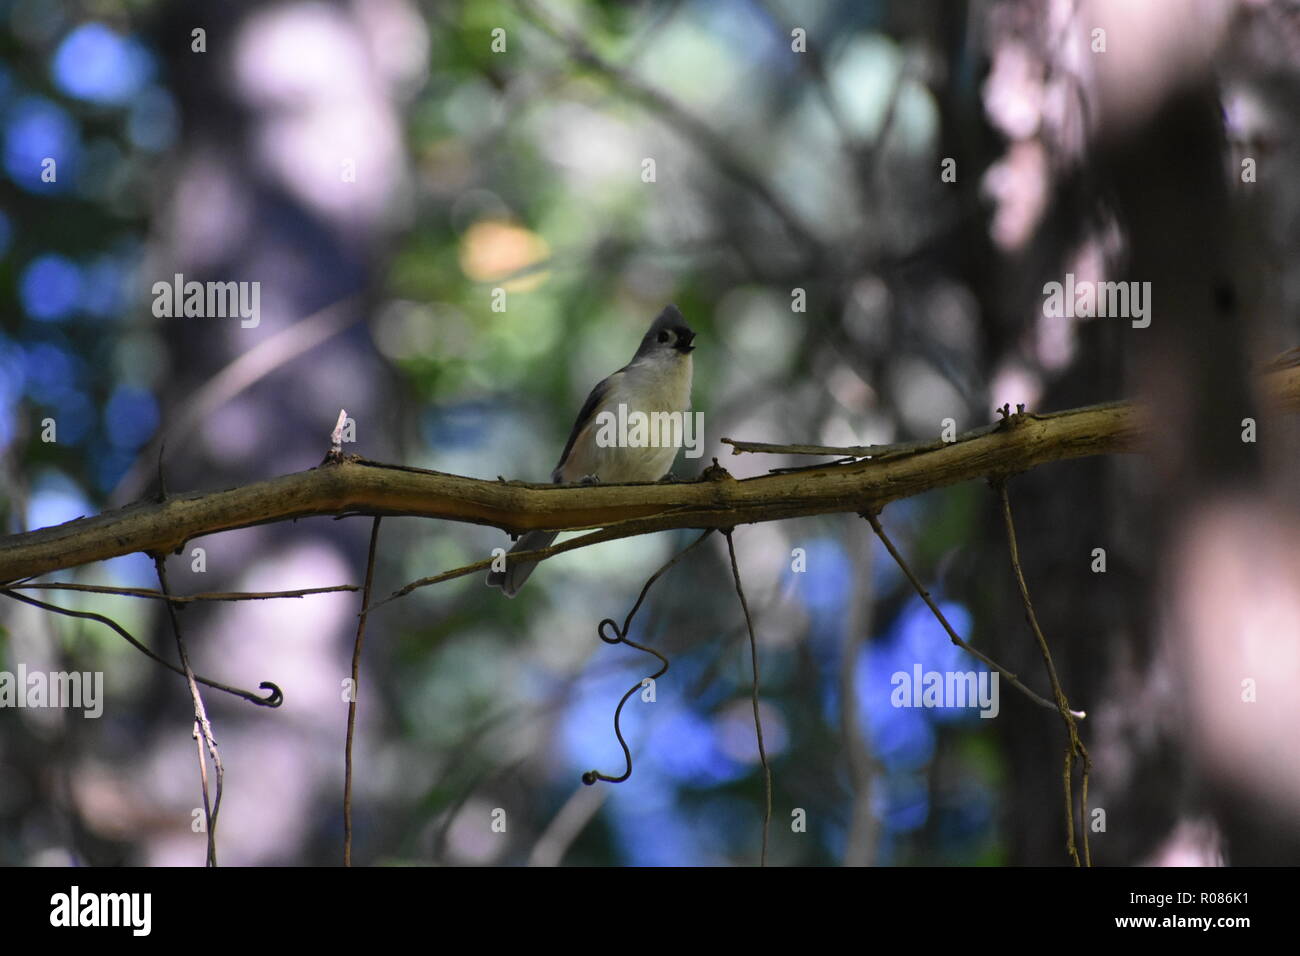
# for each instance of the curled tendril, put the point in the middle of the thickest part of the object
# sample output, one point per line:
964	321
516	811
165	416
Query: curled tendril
274	697
591	776
619	636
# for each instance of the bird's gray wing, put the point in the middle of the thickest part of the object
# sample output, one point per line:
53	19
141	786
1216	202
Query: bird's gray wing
584	417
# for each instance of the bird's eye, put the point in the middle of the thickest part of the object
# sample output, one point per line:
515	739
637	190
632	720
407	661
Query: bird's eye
663	336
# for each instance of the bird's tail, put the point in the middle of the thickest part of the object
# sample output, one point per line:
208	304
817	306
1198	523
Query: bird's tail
516	573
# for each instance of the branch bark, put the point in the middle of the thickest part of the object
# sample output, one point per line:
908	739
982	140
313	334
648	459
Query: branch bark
357	485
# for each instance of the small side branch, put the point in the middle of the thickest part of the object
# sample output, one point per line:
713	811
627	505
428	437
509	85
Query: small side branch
758	721
202	726
1075	745
1009	677
152	595
536	554
848	453
355	692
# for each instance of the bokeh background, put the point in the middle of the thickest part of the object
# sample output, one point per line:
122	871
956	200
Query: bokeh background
224	154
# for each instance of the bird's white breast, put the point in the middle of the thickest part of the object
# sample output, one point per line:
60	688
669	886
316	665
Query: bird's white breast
660	383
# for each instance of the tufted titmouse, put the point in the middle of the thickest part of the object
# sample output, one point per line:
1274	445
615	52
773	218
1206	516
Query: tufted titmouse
658	379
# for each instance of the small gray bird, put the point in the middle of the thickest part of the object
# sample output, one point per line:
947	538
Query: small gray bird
658	379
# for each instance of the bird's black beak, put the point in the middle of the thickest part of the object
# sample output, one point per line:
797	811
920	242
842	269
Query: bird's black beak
684	339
